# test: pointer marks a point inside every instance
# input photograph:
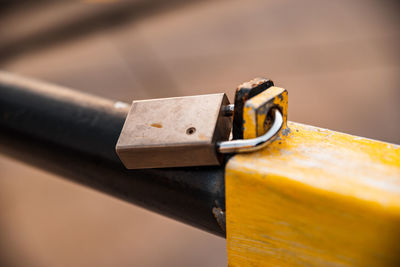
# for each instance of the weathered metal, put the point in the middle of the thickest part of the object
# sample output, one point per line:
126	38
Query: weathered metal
74	134
257	115
174	132
244	92
265	113
257	143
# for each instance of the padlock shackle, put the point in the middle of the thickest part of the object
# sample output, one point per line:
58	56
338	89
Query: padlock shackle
254	144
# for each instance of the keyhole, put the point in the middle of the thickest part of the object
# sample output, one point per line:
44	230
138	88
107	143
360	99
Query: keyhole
190	130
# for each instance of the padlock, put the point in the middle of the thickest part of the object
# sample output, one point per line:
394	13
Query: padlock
194	130
174	132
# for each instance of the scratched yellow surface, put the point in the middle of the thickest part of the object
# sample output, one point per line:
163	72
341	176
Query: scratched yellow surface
315	197
254	119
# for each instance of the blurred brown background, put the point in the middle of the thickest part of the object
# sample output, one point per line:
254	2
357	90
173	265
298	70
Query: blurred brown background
338	59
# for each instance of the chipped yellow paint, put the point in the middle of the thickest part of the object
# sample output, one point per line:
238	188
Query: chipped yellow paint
314	197
255	111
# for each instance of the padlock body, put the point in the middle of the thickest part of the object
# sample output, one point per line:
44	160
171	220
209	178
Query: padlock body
174	132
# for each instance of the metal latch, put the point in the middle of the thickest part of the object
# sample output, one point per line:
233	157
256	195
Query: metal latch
195	130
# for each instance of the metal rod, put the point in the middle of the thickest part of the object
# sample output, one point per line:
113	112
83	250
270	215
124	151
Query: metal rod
73	134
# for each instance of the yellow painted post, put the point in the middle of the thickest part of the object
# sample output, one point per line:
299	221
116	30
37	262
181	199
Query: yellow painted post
314	197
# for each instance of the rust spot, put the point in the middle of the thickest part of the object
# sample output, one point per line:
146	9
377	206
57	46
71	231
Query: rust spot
202	137
156	125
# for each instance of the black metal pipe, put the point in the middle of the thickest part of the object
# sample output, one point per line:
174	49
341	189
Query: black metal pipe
74	134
